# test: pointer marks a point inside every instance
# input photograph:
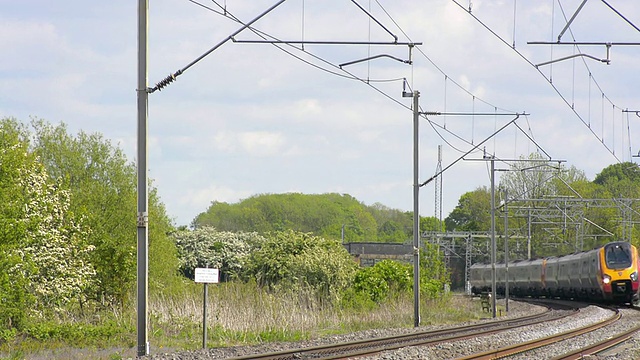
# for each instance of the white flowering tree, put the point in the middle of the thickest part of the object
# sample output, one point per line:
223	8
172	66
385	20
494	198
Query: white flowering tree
102	182
59	272
206	246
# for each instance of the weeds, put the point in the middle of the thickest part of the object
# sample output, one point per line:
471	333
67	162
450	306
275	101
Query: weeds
238	314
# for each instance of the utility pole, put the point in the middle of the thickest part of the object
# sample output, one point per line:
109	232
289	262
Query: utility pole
506	251
142	217
416	216
493	235
143	91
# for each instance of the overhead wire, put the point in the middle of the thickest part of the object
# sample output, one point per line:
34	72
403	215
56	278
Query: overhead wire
555	88
351	76
434	64
433	124
584	61
266	36
622	16
591	78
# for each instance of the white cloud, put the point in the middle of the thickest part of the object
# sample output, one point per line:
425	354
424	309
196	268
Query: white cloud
198	200
261	143
247	112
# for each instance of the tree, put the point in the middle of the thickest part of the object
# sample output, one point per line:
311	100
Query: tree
621	180
207	247
430	223
473	212
55	259
393	225
383	279
323	215
535	178
44	252
295	261
14	161
103	190
433	273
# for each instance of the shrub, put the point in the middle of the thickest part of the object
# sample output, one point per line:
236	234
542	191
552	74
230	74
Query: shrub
295	261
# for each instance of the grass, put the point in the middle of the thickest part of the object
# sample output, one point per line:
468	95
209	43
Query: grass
238	314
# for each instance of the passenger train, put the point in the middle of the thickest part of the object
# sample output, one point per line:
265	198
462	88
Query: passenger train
608	273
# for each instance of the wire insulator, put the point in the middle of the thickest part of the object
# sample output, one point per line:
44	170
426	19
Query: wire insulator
168	80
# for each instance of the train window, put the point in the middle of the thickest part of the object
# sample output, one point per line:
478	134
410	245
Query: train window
617	256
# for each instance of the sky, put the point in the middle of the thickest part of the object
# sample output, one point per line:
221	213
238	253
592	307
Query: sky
257	118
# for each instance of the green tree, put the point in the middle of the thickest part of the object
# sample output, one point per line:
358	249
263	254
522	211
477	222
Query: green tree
295	261
393	225
323	215
384	279
44	252
15	160
103	191
534	178
433	273
473	212
430	223
622	180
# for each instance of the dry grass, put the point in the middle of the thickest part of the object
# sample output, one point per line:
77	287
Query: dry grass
238	314
242	314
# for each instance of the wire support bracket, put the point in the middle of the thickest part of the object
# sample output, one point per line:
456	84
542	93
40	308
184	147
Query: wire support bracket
606	61
324	42
375	57
438	113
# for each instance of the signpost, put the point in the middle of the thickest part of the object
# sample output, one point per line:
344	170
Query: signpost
206	276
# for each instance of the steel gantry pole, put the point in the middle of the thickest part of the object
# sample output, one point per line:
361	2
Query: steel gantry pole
142	216
493	237
506	252
416	216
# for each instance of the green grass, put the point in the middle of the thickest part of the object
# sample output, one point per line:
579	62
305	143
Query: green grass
238	314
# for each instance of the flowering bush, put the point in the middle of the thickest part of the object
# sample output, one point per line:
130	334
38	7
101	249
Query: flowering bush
54	258
207	247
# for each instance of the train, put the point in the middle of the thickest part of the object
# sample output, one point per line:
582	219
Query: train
608	273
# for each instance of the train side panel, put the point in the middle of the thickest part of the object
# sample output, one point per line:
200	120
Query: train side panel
607	273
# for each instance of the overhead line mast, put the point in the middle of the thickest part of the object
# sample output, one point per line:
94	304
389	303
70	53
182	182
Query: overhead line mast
143	90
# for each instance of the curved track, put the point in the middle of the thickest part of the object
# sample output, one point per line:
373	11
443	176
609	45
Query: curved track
424	338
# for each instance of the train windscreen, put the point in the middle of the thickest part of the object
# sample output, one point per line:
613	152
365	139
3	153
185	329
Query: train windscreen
618	256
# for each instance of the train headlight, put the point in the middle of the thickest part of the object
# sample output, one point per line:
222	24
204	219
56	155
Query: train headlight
606	279
634	276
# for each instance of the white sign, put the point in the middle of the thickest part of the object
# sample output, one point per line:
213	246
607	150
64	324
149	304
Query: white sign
204	275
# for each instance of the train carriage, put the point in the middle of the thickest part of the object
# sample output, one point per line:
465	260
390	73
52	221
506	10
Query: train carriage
535	277
518	279
608	273
550	277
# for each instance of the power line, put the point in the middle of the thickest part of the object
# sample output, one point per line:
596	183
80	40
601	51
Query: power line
555	88
267	38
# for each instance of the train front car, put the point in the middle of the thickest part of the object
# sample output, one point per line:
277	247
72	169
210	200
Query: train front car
619	265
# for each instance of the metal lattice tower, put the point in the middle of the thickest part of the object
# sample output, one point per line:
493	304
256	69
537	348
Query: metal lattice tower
467	264
438	190
438	205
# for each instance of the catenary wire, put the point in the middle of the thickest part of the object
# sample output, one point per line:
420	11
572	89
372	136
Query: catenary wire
541	73
350	76
368	82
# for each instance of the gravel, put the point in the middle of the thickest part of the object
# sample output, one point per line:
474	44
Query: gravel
588	315
630	350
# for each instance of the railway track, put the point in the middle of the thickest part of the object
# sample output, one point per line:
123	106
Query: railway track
424	338
610	339
538	343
